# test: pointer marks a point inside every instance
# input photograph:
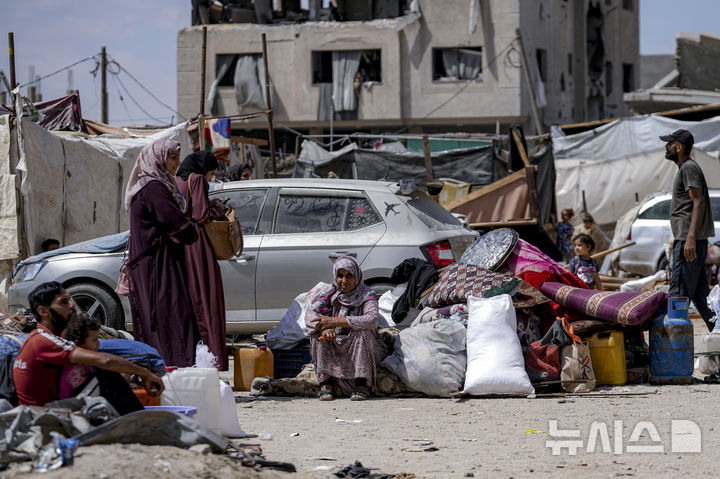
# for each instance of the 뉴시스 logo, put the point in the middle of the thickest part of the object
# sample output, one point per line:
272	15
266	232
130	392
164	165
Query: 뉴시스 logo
685	436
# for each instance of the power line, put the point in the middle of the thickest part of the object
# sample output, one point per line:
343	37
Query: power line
144	88
122	100
134	100
58	71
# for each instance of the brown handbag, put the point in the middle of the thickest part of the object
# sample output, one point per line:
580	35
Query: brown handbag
225	235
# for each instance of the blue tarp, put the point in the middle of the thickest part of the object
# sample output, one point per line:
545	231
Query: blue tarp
135	352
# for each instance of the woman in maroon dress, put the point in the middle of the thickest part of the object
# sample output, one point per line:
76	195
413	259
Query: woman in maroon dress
204	280
162	313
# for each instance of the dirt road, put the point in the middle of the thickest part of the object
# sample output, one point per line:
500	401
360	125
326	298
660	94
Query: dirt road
438	438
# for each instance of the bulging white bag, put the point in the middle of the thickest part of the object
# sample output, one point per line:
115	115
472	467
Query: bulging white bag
430	357
292	329
228	412
495	363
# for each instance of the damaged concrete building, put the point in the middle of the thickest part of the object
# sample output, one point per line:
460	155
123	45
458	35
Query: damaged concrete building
426	66
690	78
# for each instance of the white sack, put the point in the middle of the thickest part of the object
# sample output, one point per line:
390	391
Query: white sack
228	413
430	358
292	329
495	360
386	303
639	284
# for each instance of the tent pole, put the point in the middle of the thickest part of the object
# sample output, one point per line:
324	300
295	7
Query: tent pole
269	112
202	70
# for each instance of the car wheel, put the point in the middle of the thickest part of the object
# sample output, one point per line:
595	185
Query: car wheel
381	288
662	264
98	303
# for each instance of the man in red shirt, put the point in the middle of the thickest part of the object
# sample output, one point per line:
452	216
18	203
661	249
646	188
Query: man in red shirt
45	354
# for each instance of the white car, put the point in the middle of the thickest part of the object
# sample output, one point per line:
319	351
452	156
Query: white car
651	231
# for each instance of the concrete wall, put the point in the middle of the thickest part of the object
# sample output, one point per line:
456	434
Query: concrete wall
559	27
408	95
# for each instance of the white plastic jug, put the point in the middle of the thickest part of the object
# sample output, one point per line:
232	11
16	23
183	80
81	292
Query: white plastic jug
196	387
709	363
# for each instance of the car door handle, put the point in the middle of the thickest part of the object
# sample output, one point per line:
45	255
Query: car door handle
340	254
243	258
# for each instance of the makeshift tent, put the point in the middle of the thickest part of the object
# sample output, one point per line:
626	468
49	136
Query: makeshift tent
72	186
473	165
616	161
62	113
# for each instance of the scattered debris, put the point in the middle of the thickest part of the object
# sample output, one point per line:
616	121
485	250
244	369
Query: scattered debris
203	449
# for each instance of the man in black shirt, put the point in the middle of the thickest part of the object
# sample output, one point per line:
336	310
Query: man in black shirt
691	221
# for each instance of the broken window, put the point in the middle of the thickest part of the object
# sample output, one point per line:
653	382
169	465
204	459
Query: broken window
457	64
226	63
370	66
628	77
541	57
595	41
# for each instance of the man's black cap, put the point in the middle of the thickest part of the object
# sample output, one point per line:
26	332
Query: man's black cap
681	136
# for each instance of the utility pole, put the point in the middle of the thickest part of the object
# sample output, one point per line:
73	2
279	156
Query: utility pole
11	48
103	87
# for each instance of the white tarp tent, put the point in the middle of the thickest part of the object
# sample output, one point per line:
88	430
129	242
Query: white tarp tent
615	161
73	189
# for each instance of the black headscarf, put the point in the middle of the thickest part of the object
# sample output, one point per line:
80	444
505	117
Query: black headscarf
235	172
199	162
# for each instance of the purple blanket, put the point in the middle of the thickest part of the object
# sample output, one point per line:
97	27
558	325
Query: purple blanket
629	308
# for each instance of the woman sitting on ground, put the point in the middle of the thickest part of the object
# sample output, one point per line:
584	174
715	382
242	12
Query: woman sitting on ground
345	344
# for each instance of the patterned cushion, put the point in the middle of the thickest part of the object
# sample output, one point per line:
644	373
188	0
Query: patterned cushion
460	281
619	307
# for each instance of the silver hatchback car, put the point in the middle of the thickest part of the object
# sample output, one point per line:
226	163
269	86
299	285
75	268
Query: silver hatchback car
651	232
293	230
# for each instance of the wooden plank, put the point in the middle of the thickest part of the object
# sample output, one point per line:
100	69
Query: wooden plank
611	250
247	140
502	223
428	158
521	148
486	189
532	195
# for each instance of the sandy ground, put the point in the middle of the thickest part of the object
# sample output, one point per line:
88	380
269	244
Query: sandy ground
494	437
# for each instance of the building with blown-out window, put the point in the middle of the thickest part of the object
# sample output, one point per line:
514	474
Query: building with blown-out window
420	65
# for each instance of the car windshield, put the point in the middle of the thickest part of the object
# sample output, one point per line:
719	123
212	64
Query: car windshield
431	213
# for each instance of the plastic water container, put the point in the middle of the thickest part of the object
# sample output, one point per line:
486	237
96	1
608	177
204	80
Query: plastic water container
607	353
198	388
251	363
671	345
146	399
709	363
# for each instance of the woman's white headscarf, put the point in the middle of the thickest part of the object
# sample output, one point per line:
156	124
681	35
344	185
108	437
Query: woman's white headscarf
150	166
